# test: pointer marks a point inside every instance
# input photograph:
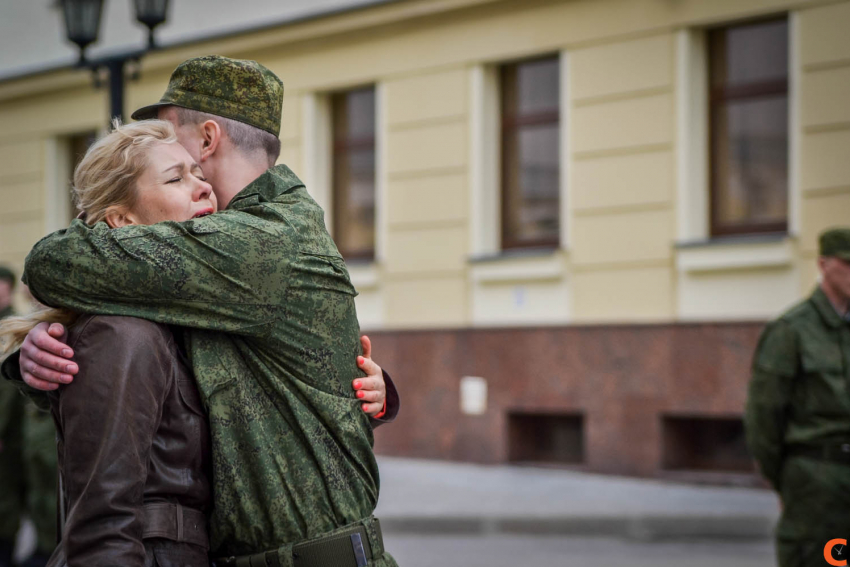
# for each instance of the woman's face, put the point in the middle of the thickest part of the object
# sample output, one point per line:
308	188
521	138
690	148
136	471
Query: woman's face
172	188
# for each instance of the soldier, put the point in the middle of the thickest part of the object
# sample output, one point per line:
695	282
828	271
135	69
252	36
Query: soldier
268	314
27	461
798	411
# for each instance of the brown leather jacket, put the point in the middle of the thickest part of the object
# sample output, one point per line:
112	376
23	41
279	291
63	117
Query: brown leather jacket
134	450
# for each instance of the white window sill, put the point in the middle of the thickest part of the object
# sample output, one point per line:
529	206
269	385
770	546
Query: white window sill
519	266
753	252
363	275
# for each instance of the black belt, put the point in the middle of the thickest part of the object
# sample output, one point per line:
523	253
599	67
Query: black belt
351	546
173	521
831	452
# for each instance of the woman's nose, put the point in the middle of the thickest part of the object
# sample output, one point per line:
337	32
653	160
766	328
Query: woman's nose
202	190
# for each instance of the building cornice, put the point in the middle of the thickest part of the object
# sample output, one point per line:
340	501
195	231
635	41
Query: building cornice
376	14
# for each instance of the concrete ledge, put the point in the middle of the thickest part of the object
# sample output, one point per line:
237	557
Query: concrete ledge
639	528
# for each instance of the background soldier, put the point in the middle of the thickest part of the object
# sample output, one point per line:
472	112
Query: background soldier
27	461
798	411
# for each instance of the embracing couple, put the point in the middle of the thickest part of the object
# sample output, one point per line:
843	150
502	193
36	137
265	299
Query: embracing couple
217	404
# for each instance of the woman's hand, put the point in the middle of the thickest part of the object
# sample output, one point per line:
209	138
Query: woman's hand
372	389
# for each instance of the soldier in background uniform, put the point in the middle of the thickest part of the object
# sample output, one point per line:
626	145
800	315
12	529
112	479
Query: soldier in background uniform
27	461
798	411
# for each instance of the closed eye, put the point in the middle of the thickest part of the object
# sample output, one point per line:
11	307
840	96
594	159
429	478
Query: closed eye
175	180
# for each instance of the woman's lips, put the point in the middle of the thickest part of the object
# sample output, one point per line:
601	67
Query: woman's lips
204	212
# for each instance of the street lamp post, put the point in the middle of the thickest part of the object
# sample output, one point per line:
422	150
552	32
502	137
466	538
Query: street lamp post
82	25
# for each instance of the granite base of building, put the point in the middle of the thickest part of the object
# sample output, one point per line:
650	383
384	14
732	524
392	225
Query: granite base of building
644	400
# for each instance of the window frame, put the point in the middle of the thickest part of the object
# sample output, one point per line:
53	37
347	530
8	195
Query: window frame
510	125
717	98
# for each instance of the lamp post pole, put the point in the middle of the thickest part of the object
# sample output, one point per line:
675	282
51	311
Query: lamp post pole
82	25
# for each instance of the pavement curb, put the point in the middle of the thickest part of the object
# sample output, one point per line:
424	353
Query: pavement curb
636	528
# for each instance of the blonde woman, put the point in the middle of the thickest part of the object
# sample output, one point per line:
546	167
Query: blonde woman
133	440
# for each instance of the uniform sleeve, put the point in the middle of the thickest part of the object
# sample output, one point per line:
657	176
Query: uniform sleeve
774	367
108	419
217	273
393	403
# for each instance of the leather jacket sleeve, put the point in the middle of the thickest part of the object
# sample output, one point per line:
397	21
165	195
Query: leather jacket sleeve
393	403
107	419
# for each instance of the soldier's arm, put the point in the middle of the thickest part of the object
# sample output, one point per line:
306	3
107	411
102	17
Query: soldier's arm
775	366
216	272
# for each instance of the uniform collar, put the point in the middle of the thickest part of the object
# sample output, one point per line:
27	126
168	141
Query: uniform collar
826	309
273	183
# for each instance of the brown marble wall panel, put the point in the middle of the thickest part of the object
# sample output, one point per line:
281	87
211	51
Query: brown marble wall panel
621	378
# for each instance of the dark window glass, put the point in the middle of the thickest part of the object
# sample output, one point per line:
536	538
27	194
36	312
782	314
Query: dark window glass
749	128
354	172
530	154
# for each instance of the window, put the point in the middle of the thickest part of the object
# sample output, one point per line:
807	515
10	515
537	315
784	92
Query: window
748	108
78	145
530	153
354	172
705	443
546	438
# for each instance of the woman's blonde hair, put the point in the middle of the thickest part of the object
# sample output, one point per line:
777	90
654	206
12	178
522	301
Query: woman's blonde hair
105	178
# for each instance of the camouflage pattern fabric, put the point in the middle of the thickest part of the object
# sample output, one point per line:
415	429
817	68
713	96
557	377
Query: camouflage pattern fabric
234	88
799	396
28	469
11	473
273	335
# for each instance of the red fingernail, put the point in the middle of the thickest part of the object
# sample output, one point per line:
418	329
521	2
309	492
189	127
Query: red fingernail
358	384
360	360
360	394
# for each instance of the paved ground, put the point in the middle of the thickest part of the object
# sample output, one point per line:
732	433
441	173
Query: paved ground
541	551
432	497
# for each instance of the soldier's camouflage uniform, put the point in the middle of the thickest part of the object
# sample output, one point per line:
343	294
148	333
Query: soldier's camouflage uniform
273	337
27	470
798	403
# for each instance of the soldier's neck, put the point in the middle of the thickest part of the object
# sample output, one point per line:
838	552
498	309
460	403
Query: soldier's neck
838	300
232	174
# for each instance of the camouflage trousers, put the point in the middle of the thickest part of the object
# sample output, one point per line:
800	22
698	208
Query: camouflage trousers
27	468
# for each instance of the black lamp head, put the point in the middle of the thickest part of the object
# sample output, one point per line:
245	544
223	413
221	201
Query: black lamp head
151	13
82	22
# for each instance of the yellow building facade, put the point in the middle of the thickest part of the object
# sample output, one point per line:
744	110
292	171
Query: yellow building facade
635	241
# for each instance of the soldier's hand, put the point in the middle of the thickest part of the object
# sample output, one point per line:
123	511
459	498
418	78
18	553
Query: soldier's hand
45	360
372	389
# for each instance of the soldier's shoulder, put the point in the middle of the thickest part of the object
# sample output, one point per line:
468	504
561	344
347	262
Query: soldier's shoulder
799	314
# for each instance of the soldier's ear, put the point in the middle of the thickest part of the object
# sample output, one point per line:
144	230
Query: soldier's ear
116	217
210	139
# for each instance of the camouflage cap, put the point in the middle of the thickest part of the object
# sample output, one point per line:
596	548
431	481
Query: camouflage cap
233	88
835	242
6	274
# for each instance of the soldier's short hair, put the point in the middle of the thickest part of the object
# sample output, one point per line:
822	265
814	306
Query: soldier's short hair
245	138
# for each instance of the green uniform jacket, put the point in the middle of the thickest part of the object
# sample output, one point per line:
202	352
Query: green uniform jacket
273	338
800	396
28	469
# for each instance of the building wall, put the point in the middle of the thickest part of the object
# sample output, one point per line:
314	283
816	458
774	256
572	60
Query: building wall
635	246
631	193
619	380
